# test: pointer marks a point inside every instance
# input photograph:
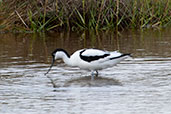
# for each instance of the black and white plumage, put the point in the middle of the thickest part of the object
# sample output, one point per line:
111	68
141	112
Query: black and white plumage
89	59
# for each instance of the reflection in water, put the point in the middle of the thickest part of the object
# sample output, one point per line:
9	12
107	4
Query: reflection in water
87	82
141	85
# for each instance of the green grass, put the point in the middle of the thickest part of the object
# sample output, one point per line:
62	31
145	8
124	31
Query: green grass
56	15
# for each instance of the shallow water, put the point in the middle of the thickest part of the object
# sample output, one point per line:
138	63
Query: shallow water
140	85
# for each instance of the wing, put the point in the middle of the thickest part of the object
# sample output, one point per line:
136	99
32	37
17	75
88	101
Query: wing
90	55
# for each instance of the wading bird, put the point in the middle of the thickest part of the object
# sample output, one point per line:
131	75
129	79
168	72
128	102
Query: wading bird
89	59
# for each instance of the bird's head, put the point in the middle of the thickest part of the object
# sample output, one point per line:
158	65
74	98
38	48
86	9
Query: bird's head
57	54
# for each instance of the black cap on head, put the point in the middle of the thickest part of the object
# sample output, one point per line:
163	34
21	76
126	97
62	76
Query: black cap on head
58	50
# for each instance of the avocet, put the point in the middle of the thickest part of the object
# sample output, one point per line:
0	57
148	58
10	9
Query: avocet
89	59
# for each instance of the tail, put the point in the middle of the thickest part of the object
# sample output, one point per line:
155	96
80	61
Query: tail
123	55
127	54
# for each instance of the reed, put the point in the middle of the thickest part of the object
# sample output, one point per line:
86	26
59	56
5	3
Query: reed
46	15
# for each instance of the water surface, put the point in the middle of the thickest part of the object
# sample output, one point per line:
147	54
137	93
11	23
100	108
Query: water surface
140	85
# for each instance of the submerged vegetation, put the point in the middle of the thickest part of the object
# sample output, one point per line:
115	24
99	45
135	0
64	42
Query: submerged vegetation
45	15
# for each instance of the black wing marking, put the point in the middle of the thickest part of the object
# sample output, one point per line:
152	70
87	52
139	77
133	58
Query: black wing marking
120	56
92	58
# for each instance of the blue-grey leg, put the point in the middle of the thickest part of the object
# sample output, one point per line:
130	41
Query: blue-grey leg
92	75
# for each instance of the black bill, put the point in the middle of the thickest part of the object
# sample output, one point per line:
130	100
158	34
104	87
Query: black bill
53	61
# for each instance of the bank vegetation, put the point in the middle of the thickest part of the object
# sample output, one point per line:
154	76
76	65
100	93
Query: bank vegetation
73	15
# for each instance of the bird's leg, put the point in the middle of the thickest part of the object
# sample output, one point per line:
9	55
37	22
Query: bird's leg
97	73
92	75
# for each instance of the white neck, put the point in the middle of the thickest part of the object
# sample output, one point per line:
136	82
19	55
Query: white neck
66	59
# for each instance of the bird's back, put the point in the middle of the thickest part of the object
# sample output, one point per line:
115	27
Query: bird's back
94	59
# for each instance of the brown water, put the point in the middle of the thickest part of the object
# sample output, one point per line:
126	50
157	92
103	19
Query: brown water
139	85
